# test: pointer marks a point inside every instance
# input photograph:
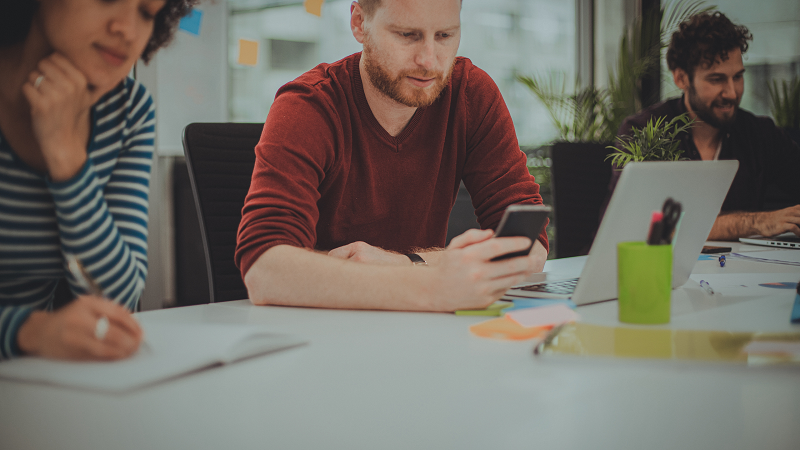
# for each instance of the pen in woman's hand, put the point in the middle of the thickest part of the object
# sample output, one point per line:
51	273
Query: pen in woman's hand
82	277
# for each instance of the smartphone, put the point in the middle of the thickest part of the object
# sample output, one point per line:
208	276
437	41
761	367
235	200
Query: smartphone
522	220
711	249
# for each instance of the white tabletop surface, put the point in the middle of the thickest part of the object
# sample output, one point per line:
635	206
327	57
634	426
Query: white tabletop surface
394	380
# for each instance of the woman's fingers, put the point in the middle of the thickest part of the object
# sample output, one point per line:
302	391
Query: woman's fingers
117	315
72	332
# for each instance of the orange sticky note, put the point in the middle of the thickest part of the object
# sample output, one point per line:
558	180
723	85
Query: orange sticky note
506	329
248	52
314	7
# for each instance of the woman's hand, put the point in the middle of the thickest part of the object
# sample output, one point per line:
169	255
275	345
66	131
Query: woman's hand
72	332
60	102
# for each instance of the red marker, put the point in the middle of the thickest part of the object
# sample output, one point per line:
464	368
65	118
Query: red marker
656	228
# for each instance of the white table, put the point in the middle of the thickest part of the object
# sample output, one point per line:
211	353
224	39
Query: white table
391	380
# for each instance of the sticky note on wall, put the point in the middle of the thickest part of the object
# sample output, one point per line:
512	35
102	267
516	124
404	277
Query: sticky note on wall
248	52
191	22
314	7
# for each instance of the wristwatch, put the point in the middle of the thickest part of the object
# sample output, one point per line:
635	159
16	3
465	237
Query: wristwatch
416	259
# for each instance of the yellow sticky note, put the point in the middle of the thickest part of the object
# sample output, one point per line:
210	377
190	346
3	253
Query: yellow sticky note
248	52
314	7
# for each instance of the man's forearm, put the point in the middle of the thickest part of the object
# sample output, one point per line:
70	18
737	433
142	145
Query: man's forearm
291	276
732	226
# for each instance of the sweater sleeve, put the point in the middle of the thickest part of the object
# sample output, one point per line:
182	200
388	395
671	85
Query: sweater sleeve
496	173
105	227
294	153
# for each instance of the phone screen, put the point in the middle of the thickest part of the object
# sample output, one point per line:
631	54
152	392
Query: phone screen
522	220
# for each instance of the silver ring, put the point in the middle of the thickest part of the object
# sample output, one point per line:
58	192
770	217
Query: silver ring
38	81
101	328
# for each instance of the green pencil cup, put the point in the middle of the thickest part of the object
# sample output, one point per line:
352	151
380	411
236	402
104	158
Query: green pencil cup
644	281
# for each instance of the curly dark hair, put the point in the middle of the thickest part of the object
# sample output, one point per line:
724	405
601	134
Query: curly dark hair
16	17
704	39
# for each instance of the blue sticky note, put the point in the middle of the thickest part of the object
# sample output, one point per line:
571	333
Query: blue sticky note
703	257
523	303
191	23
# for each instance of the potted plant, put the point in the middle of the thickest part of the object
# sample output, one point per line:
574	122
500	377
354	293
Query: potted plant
588	118
656	141
786	106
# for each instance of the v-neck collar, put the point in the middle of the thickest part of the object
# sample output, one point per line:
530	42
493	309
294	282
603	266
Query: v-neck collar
366	111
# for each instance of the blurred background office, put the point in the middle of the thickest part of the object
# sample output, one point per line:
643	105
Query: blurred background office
203	78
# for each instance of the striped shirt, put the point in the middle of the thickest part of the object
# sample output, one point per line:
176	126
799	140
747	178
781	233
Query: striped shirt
100	215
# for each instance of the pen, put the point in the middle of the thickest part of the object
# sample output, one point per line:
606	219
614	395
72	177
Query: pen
548	339
87	283
796	308
82	277
707	287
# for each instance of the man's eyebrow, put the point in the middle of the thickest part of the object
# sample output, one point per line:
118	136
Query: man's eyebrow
722	74
400	27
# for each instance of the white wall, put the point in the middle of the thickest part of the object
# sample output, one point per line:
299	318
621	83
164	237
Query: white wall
188	82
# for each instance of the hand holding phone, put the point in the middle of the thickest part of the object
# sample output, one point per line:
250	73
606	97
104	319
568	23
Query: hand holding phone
522	220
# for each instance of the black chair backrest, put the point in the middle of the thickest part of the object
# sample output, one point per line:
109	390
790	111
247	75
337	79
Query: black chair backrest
580	177
220	158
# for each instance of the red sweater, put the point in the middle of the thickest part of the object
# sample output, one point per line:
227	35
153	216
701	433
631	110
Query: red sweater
327	174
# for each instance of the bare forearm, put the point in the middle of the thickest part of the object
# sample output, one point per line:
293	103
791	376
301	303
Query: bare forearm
286	275
732	226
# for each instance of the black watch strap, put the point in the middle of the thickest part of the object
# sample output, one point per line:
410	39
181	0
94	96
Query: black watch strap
416	259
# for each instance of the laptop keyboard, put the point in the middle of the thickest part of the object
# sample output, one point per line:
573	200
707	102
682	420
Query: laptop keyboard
563	287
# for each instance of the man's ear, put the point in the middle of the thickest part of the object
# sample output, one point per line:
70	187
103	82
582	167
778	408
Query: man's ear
357	22
681	79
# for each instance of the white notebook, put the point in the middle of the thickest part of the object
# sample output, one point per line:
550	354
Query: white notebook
169	350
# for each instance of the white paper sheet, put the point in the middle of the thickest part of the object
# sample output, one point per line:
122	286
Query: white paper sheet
169	350
749	285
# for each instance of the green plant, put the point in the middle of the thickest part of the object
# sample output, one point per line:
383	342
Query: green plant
579	116
786	102
656	141
594	115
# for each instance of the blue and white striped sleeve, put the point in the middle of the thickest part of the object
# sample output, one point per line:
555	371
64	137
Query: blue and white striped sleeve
105	224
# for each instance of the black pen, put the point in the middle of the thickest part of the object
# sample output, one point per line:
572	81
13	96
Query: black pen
548	339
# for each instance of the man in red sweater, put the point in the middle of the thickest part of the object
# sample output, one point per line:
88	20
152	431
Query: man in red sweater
361	160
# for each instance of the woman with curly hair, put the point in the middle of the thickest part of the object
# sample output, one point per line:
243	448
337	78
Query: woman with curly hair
76	146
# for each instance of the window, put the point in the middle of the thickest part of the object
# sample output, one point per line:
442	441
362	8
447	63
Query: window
503	37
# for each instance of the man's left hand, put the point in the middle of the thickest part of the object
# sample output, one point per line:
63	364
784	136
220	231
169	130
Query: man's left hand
538	255
363	252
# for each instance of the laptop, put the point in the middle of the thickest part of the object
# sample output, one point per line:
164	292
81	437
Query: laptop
700	187
785	240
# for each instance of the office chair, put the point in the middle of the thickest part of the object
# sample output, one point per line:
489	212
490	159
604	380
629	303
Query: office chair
580	177
220	158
